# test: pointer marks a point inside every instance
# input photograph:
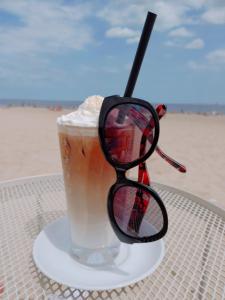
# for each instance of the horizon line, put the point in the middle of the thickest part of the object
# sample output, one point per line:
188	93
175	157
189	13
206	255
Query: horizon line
79	101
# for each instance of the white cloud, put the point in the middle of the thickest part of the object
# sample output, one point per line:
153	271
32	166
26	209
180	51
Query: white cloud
195	44
115	14
195	4
46	26
197	66
181	32
132	36
170	44
123	13
171	14
215	15
216	56
214	60
133	40
121	32
44	29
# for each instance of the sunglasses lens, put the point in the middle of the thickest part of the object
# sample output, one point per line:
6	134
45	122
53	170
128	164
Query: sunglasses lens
137	213
129	132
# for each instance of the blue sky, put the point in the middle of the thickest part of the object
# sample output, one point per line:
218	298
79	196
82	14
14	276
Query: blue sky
67	50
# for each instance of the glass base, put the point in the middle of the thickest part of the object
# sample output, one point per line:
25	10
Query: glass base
95	257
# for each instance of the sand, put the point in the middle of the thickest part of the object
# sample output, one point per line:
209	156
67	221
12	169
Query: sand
29	146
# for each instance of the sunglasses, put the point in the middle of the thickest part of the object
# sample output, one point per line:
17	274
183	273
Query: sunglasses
128	133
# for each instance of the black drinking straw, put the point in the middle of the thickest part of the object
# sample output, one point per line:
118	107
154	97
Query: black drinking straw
140	53
142	46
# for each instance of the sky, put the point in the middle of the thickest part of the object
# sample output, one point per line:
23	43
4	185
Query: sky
70	49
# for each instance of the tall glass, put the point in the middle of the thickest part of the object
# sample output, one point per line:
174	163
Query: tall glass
87	177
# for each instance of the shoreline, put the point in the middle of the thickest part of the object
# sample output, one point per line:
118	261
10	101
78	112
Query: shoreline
74	107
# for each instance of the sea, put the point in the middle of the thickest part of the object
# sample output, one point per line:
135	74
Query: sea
214	109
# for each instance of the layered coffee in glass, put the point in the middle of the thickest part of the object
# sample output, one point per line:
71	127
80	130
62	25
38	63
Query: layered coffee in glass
88	178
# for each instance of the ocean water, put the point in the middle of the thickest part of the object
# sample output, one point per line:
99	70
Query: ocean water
39	103
197	108
171	107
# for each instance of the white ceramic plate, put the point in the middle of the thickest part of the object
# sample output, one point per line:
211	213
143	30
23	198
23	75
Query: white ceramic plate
52	256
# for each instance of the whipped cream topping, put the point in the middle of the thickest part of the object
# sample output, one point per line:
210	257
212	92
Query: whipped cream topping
86	115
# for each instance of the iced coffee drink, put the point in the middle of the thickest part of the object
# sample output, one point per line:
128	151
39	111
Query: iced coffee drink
87	177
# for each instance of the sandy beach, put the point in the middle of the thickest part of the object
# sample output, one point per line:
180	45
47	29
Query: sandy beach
29	146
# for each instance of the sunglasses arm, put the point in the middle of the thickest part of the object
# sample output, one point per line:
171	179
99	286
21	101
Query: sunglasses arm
181	168
161	111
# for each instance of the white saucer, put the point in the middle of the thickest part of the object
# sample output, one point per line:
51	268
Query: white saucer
52	256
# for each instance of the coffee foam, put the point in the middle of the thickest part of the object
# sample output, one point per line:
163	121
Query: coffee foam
86	115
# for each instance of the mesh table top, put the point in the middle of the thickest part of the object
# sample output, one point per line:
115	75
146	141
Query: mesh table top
193	267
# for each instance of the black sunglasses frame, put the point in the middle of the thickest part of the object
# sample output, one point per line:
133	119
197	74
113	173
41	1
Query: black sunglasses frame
121	182
108	104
